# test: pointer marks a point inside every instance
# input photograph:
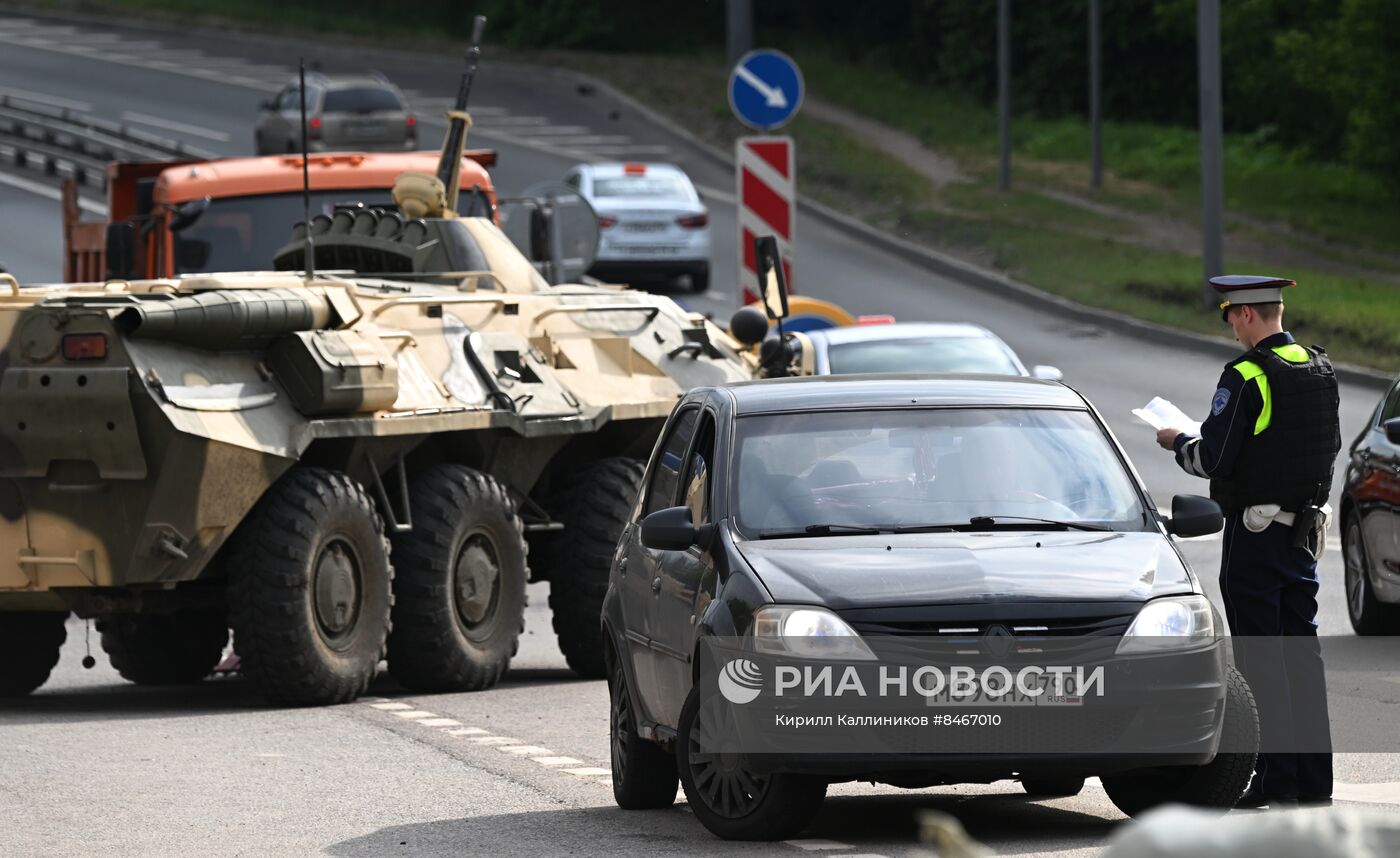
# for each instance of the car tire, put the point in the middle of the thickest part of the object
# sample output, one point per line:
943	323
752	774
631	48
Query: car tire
165	649
737	804
1368	615
459	586
594	507
1216	785
310	589
700	279
1052	787
643	773
29	645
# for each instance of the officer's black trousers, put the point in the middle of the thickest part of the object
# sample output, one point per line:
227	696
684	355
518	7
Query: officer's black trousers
1270	589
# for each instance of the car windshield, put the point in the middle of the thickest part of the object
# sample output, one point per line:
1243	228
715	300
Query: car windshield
243	233
922	354
658	187
911	468
360	100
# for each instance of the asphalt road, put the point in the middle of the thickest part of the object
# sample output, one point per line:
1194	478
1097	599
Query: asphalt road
93	766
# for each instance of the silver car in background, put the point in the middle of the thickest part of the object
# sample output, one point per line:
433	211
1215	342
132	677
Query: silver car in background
342	113
652	227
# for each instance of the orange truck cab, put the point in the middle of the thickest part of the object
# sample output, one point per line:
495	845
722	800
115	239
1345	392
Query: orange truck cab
178	217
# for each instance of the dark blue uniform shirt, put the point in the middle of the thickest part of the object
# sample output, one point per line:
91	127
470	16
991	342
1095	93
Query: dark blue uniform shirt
1233	411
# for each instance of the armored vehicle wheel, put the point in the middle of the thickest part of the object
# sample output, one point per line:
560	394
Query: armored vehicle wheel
29	645
1218	784
309	589
460	593
165	649
594	509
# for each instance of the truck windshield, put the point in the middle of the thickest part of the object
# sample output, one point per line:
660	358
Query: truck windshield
891	469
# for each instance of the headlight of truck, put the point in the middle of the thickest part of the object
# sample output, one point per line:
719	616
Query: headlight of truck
1169	624
807	632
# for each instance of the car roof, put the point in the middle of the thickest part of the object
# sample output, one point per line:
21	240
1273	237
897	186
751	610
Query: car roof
614	169
904	331
345	81
888	390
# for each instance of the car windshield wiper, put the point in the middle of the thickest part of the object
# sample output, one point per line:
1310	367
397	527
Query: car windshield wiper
981	521
821	530
924	528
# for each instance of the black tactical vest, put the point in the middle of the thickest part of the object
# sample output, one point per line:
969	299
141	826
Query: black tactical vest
1286	460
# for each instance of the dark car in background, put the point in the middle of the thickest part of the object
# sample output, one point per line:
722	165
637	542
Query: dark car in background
866	508
1370	521
342	114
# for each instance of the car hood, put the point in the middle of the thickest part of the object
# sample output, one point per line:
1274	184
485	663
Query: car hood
844	572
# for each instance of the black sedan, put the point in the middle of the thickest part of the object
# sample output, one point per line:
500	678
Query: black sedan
1371	522
831	516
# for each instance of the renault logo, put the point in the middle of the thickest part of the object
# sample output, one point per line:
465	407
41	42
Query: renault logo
997	640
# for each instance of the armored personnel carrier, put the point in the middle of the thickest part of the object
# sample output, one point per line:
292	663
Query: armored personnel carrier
365	462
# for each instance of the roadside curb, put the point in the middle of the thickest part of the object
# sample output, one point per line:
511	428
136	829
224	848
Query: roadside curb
930	260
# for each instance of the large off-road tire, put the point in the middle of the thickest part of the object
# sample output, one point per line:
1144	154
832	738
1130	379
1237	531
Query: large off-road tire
165	649
732	801
1368	615
29	645
459	594
643	773
309	589
594	507
1216	785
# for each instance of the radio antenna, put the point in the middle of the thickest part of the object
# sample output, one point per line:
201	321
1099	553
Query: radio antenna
310	252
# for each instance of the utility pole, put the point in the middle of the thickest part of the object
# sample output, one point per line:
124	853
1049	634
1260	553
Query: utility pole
1095	97
1004	91
738	29
1212	158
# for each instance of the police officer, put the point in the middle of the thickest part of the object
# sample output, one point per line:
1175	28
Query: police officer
1268	448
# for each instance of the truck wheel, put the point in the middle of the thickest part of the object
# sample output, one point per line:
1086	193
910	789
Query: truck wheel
594	509
643	773
309	589
165	649
1218	784
1368	615
1052	787
460	593
732	801
29	645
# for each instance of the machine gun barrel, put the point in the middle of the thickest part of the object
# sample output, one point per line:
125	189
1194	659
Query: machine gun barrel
450	166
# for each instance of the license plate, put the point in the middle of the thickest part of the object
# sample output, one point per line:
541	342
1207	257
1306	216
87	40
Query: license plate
650	250
362	131
644	227
1051	694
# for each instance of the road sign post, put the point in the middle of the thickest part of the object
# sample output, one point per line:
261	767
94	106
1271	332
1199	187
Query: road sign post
765	92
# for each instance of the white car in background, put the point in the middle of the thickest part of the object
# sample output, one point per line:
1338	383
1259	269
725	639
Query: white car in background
652	227
918	347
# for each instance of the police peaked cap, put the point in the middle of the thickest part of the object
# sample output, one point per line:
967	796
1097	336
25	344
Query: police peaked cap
1248	289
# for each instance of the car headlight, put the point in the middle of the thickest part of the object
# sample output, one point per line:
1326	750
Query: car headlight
1168	624
807	632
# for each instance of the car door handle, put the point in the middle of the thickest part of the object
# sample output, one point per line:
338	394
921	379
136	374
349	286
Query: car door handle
656	584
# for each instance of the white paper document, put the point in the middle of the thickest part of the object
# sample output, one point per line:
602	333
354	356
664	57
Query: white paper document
1161	413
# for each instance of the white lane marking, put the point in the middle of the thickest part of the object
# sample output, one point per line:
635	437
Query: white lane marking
50	193
549	130
495	740
45	98
415	714
557	761
468	731
140	61
643	149
588	771
523	749
611	141
817	844
518	120
1383	793
440	722
172	125
389	707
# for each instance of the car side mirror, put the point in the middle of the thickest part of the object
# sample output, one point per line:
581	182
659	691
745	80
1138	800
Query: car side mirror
772	279
669	529
1392	430
1048	373
1193	515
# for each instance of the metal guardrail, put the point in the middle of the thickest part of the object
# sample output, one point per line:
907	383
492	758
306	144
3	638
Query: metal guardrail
63	143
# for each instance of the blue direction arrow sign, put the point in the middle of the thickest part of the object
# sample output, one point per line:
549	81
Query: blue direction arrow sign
765	89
